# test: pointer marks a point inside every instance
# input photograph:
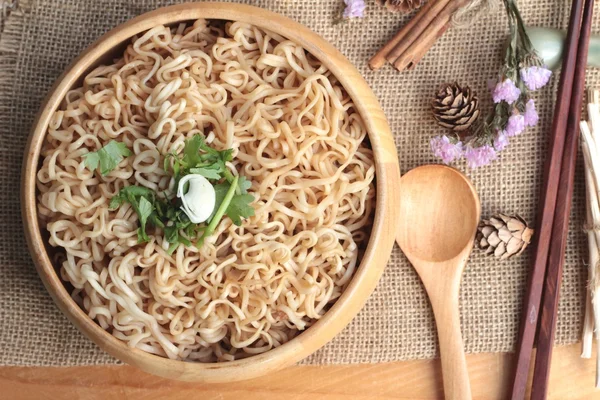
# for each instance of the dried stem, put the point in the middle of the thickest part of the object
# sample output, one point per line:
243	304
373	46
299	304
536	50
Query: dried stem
590	135
588	325
597	366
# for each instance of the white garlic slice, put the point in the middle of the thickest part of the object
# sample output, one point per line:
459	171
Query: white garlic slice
199	201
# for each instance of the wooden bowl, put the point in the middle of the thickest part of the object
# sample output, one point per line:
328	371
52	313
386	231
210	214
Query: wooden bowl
372	263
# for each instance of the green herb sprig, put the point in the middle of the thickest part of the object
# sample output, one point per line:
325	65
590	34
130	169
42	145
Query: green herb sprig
199	158
108	157
231	192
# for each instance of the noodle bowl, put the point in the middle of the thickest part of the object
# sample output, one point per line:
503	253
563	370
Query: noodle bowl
295	134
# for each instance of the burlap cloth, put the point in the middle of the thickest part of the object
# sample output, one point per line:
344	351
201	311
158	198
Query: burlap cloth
39	39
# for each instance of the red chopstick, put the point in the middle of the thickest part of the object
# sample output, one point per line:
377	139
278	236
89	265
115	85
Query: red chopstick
545	340
548	198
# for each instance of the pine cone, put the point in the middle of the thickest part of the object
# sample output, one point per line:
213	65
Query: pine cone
504	235
404	6
455	107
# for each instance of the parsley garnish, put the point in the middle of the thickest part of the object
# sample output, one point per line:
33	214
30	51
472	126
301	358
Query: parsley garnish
207	173
232	198
221	208
107	157
239	205
145	204
199	158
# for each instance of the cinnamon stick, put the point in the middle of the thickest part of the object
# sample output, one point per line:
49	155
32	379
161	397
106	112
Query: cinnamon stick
403	55
411	58
413	28
415	34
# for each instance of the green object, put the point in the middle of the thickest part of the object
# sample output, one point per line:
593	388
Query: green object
221	208
243	185
163	214
107	157
232	198
549	44
145	204
199	158
127	193
206	172
240	208
144	208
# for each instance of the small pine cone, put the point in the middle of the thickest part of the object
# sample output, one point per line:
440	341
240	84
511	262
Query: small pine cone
455	107
404	6
504	235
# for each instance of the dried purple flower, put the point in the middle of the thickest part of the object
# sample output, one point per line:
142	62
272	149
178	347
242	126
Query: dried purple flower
354	8
513	110
531	115
515	125
444	148
535	77
479	156
506	91
501	141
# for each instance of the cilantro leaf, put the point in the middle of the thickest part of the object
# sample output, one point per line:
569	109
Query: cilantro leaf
129	192
208	173
199	158
231	192
174	237
116	202
240	207
143	209
166	215
228	203
221	190
144	203
92	160
154	219
107	157
171	234
225	155
191	151
243	185
220	206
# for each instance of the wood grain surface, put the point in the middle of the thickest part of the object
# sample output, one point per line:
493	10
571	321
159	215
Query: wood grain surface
439	254
571	378
560	229
547	204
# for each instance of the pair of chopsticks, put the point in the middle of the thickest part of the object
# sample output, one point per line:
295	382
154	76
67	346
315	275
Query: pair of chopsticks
555	205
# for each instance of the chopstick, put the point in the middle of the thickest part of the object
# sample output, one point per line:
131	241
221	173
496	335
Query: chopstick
548	199
545	341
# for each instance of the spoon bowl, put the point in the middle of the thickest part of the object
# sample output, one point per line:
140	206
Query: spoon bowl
429	234
439	214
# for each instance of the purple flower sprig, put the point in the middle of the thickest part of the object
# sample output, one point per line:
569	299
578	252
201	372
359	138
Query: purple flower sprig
514	110
446	148
507	91
354	9
535	77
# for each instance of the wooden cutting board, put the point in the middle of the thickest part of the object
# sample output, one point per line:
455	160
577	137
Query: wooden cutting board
571	378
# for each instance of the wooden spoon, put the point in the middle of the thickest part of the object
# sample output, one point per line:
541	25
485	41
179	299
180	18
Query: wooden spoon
439	211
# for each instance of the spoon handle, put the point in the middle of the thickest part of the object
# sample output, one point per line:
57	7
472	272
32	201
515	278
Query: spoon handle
443	294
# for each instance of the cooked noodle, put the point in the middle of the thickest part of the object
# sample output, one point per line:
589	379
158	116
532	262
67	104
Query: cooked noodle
296	136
